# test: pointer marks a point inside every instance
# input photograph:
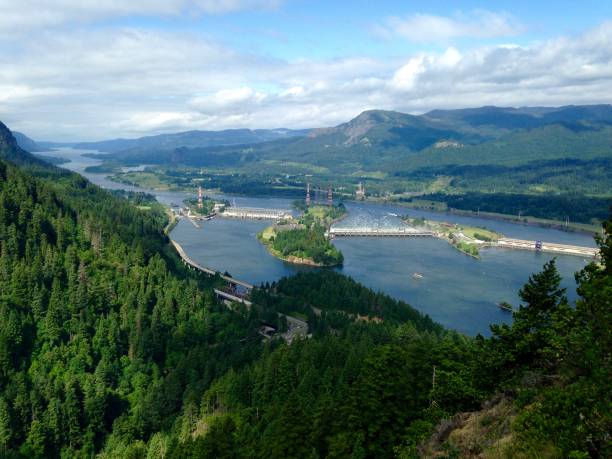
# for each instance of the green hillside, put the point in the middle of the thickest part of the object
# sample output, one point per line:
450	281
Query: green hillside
11	151
548	154
109	348
487	135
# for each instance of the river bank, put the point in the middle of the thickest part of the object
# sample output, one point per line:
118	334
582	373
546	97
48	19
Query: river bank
455	290
153	181
525	220
295	260
304	236
172	221
466	239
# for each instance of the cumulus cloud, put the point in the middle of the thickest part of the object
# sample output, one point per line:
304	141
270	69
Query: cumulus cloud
431	28
100	83
228	100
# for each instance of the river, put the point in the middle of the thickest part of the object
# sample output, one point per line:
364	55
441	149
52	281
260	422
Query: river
456	290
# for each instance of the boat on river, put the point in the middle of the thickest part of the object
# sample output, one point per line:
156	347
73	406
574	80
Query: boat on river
505	306
417	276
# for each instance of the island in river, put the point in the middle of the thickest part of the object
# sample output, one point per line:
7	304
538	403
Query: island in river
466	239
304	241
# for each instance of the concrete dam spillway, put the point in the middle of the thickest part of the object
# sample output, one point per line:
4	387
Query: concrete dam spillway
255	212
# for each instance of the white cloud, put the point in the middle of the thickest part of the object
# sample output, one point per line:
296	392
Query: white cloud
20	92
431	28
155	121
101	83
407	76
24	15
226	100
293	91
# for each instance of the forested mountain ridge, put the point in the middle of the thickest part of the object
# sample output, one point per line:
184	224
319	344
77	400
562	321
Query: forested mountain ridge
398	134
26	143
559	154
109	347
96	323
190	139
104	339
11	151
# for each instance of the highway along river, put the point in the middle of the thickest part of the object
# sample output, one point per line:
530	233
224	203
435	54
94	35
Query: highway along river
456	290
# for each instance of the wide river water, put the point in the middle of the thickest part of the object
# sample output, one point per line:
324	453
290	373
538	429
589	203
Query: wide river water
456	290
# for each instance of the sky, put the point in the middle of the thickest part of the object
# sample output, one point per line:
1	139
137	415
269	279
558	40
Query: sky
74	70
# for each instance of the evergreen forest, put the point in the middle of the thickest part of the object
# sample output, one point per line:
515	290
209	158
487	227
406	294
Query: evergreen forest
110	348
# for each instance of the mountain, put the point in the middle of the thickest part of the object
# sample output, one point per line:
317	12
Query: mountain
532	154
523	117
26	143
11	150
191	139
385	129
377	140
108	345
111	348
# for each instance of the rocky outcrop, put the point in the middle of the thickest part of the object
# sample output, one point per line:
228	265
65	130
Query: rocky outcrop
480	434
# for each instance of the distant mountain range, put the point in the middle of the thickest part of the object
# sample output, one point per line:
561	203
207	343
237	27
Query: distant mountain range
528	155
376	130
391	141
190	139
448	128
533	150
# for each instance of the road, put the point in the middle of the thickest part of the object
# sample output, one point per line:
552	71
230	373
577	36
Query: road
295	328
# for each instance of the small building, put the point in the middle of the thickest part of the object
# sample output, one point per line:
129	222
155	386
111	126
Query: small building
218	207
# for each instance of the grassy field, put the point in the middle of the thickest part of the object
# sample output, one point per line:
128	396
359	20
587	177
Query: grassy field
323	215
318	212
294	167
267	234
435	206
468	249
143	179
481	234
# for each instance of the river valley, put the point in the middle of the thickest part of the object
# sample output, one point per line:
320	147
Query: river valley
455	290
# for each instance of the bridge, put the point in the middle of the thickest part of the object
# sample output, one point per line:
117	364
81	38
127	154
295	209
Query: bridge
256	212
591	252
365	231
211	272
228	296
295	327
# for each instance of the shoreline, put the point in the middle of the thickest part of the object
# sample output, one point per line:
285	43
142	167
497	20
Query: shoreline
583	228
535	221
456	247
269	233
172	221
292	258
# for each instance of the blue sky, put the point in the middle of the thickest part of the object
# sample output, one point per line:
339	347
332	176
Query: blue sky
72	69
327	29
